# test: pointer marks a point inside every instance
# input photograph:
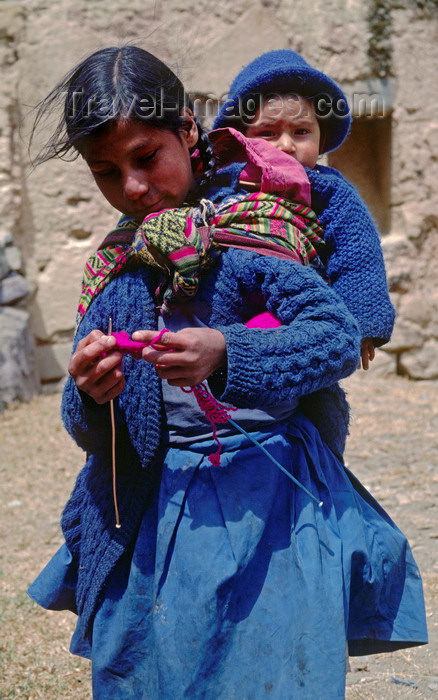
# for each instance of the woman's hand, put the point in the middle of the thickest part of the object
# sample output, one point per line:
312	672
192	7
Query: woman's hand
97	370
187	357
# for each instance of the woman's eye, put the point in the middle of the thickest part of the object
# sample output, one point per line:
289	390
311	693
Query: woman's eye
147	158
103	173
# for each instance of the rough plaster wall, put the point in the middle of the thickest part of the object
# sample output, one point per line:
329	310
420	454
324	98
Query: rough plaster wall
411	250
57	217
11	34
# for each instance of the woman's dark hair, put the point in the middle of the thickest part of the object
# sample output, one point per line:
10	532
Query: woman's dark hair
116	83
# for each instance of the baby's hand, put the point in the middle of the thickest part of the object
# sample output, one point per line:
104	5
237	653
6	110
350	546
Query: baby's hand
96	368
367	352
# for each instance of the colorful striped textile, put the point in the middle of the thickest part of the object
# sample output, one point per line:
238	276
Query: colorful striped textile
103	265
183	242
274	222
171	241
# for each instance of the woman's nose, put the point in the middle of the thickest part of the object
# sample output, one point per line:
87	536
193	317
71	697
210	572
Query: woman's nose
135	185
286	143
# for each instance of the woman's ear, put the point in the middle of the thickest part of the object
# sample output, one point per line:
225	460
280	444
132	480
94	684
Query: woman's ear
189	131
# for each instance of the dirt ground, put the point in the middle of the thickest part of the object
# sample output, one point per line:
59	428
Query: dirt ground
392	448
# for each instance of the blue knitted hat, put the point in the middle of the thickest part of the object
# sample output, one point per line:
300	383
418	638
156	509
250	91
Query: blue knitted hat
284	71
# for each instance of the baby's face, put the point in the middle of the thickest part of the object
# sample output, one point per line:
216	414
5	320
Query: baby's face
290	124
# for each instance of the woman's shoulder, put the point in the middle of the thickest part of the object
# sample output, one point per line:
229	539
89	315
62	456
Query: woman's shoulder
128	294
126	284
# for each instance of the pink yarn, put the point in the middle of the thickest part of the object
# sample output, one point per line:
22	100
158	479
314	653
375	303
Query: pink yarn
215	412
264	320
132	347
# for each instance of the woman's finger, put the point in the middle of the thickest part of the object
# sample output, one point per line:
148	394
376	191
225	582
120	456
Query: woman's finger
107	390
90	352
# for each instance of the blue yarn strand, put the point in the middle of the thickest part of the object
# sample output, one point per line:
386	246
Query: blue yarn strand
265	451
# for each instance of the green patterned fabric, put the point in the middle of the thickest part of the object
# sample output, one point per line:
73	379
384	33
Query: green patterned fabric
171	241
183	242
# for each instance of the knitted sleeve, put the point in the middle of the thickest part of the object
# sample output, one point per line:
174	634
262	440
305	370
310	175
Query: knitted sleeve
128	301
87	422
355	266
317	344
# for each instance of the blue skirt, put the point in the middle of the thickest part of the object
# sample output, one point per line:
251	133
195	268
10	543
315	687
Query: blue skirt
239	586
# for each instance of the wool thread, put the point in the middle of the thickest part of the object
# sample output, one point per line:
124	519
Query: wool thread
214	411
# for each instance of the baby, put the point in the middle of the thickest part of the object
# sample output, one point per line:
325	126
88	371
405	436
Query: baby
283	100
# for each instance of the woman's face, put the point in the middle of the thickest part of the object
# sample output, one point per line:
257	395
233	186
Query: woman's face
141	169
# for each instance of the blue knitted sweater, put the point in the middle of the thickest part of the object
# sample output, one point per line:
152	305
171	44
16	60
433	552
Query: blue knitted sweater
355	264
317	345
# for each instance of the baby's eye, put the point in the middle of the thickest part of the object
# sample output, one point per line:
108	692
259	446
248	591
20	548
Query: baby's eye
266	134
301	131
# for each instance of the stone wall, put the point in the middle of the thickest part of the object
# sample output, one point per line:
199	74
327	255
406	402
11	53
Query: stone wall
411	247
53	216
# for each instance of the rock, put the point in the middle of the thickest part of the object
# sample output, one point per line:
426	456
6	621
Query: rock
4	264
421	363
53	359
6	238
406	335
13	288
18	376
14	258
384	364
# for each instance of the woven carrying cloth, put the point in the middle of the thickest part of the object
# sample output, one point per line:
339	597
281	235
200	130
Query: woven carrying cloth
184	242
107	262
266	223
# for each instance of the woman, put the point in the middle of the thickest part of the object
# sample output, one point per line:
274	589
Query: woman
210	581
